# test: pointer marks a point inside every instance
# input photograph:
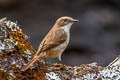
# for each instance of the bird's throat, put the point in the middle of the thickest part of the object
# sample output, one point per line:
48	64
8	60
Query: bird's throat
67	27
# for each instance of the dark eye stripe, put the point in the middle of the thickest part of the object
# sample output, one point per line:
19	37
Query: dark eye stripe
65	20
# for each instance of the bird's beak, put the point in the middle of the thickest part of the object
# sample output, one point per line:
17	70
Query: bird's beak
75	20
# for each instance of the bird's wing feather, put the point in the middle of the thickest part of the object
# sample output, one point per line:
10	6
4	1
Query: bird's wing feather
53	39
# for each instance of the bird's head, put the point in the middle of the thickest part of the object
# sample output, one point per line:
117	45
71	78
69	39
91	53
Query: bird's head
64	21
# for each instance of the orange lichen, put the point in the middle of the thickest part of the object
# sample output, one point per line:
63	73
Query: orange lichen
4	75
40	75
40	72
22	42
1	54
16	41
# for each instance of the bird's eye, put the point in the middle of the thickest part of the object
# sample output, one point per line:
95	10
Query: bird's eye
65	20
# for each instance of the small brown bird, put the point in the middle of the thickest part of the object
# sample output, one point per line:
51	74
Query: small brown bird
55	41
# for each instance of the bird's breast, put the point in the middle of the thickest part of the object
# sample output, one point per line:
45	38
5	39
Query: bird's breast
63	45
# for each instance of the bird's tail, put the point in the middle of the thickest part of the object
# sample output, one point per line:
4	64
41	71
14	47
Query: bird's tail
35	59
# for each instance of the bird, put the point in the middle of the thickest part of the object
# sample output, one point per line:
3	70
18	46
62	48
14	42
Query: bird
55	42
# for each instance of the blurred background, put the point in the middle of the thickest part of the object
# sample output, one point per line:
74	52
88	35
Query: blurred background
96	38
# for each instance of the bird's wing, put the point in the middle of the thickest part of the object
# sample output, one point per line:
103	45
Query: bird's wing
53	39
